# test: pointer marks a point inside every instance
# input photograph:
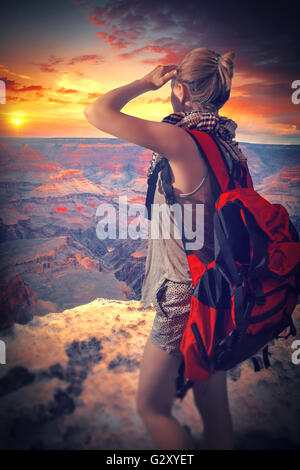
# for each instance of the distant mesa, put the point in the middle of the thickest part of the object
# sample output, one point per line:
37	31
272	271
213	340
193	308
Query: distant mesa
50	190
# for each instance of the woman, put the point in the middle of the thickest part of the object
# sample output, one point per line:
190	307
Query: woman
200	85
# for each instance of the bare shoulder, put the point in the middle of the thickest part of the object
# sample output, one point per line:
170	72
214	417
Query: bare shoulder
180	145
183	151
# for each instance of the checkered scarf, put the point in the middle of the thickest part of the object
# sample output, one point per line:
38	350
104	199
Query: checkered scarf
221	128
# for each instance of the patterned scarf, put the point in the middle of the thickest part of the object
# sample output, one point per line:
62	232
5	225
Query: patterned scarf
221	128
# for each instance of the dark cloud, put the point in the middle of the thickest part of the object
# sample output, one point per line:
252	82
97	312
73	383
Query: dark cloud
264	36
9	84
266	91
13	85
93	58
53	60
50	64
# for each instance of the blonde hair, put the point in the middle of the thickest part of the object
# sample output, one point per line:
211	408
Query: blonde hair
208	76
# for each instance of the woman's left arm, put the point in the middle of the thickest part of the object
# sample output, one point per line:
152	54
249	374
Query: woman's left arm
159	137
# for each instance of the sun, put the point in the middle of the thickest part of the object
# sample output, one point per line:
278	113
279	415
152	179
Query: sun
17	121
18	117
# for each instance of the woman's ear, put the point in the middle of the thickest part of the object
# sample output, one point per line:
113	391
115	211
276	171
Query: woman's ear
181	92
186	95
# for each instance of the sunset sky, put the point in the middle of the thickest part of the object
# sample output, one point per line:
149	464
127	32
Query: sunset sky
58	56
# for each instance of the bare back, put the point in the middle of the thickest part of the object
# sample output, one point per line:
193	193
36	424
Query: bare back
188	171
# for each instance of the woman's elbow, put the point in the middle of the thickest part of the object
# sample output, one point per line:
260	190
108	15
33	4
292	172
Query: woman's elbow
94	117
87	112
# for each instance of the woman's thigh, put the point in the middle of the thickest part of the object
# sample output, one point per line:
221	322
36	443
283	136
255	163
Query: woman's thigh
157	380
211	394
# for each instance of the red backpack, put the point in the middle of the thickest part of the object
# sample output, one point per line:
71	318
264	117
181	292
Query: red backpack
246	296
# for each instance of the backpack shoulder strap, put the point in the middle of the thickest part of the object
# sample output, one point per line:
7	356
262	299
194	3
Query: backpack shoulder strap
211	155
227	178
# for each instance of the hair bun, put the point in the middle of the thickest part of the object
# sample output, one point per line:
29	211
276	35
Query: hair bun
228	57
208	76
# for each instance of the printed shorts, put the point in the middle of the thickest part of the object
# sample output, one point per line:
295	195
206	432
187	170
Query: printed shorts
172	304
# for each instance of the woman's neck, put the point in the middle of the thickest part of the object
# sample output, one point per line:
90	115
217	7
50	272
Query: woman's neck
201	110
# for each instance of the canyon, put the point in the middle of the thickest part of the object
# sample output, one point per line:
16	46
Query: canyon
50	189
71	319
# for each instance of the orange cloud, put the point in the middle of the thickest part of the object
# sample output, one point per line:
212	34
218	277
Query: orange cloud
66	90
56	100
113	40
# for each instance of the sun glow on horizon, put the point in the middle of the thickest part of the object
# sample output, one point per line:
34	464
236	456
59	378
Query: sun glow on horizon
17	121
18	118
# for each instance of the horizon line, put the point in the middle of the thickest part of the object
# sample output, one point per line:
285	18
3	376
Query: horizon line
125	141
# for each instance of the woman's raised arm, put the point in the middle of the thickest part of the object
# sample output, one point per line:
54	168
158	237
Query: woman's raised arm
160	137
